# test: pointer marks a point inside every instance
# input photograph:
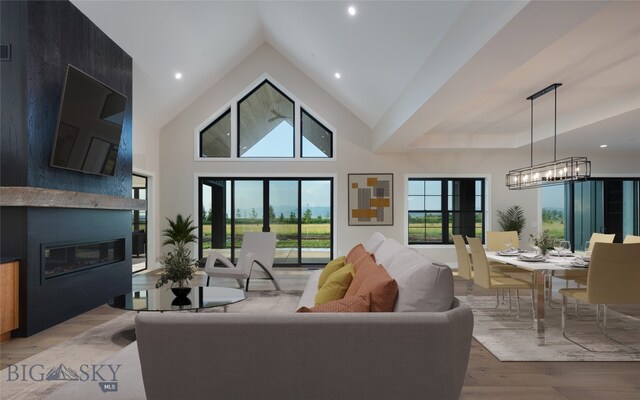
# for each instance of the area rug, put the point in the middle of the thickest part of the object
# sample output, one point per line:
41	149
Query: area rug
510	339
53	371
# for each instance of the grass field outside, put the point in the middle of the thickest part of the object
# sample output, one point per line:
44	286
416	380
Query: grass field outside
555	228
314	235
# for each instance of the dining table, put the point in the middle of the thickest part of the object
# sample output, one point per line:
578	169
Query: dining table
543	271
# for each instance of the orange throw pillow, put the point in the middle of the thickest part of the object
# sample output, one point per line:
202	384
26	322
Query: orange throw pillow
382	288
355	254
360	303
364	266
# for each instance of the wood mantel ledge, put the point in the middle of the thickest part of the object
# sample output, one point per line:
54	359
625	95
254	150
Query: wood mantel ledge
23	196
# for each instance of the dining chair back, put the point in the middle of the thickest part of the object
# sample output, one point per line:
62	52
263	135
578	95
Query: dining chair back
481	273
631	239
600	238
464	264
496	240
614	274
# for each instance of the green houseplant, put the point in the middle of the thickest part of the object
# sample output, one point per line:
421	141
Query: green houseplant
544	241
178	266
512	219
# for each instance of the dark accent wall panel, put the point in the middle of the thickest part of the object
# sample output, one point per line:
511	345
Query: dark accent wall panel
47	36
13	96
59	34
59	298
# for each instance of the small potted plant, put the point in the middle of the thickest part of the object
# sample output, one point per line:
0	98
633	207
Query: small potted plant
542	243
178	266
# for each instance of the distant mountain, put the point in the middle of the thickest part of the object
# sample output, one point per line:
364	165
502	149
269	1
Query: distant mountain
62	373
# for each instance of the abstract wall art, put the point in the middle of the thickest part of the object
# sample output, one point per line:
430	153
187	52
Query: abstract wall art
370	199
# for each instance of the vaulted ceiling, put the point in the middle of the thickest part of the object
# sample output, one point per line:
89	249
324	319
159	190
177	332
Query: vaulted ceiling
423	75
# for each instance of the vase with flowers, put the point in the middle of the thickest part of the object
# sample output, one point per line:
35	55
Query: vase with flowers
542	243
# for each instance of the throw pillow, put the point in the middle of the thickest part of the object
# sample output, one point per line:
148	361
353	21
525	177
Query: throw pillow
356	253
329	269
364	266
360	303
382	288
336	285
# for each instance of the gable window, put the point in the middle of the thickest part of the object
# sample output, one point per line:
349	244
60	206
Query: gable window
441	207
317	140
215	139
264	122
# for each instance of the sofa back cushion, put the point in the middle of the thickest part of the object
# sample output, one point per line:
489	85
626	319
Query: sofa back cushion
387	251
372	244
422	284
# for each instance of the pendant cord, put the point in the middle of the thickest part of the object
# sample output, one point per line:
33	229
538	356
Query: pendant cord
555	121
531	132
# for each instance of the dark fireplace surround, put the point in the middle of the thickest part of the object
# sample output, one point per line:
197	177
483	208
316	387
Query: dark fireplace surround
45	37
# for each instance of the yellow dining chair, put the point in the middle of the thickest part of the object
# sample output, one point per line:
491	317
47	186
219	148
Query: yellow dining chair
631	239
465	268
613	278
482	275
580	277
495	242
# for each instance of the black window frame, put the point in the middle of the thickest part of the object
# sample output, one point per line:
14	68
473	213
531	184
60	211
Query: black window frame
304	113
444	210
203	130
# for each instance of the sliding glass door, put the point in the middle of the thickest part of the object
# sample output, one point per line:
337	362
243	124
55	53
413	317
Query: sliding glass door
298	210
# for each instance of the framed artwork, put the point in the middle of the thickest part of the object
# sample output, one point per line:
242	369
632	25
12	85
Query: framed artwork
370	199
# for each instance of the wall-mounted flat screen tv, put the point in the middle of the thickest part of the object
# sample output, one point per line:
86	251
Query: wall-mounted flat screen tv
89	125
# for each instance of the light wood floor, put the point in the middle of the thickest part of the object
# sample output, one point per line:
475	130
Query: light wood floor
487	378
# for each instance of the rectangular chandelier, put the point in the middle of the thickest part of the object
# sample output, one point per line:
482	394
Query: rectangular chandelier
549	173
553	172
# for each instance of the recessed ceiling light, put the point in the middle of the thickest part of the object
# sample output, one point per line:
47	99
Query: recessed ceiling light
603	145
351	10
337	75
178	75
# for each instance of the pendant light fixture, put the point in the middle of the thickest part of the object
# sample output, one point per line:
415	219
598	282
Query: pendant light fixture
553	172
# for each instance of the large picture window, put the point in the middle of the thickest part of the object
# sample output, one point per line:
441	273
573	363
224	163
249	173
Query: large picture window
298	210
441	207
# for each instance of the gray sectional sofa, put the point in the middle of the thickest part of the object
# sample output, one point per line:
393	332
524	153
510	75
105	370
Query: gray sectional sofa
420	351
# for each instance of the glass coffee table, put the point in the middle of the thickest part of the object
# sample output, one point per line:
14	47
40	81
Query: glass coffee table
163	299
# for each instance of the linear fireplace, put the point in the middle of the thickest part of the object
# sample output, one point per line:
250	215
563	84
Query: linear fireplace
61	259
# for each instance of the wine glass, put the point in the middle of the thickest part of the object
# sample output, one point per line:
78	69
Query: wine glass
507	244
557	246
566	247
587	247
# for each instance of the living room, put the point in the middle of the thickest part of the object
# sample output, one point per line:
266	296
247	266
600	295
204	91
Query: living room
426	91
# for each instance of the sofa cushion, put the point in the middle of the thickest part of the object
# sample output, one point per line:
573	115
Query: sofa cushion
372	244
336	285
364	266
387	251
360	303
382	288
356	253
423	286
329	269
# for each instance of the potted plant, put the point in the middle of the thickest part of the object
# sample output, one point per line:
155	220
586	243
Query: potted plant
512	219
178	266
543	242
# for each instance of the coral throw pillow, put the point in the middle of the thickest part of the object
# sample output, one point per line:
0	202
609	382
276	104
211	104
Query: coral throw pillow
360	303
364	266
356	253
382	288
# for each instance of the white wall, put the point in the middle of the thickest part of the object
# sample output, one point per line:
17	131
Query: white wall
178	168
146	153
